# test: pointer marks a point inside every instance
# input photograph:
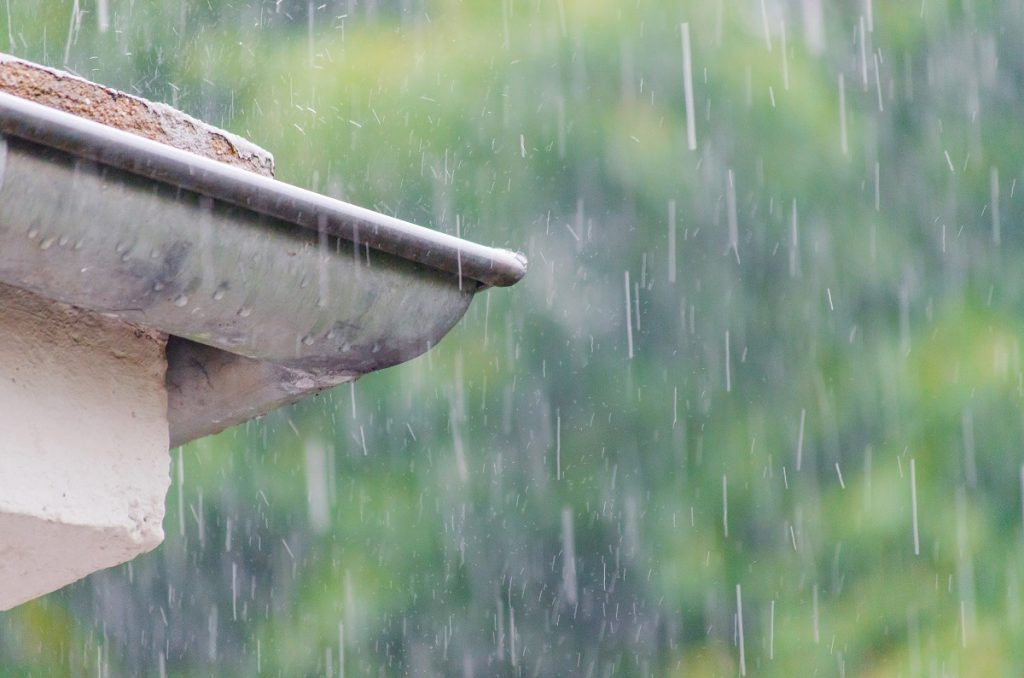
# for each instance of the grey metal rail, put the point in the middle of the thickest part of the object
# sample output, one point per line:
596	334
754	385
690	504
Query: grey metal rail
123	150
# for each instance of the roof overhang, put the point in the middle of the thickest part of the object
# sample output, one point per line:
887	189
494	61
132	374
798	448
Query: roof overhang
269	292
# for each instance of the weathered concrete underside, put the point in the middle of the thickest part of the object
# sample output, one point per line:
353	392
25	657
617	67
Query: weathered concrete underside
263	293
84	463
84	467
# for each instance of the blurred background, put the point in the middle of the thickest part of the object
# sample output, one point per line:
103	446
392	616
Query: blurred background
757	407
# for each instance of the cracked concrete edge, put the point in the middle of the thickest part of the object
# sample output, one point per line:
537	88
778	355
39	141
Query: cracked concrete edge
25	575
159	122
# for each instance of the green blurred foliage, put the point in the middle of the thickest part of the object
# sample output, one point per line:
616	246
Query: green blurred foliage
794	380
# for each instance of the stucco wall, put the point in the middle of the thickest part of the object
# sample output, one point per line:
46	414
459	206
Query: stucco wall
84	464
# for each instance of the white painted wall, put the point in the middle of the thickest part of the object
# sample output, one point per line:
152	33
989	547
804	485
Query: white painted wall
84	463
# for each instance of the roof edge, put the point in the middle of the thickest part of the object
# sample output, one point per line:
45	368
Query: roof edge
159	162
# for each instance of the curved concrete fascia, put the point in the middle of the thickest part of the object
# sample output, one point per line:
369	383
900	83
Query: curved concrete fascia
158	257
209	390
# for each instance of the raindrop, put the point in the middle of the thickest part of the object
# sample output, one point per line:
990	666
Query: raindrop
739	625
913	505
794	244
725	506
629	319
862	34
993	182
671	241
730	200
691	123
568	557
102	16
815	618
728	364
3	158
785	57
764	23
842	117
800	440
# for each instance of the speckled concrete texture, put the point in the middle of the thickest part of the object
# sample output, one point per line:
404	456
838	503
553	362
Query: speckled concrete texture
84	465
84	462
156	121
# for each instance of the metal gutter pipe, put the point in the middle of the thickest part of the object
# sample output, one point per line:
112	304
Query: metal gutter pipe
269	292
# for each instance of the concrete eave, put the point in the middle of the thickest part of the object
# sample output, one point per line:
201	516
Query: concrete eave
269	292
